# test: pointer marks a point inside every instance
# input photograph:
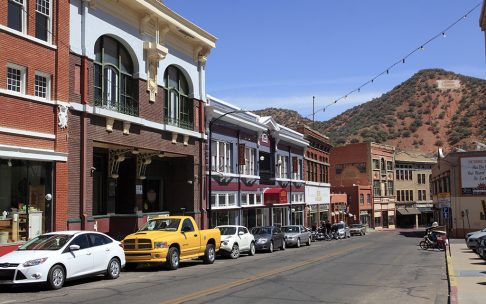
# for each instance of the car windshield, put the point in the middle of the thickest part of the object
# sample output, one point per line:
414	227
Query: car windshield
261	230
47	242
166	224
291	229
357	226
337	226
227	230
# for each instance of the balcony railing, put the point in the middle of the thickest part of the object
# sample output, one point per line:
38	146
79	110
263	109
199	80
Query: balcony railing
128	107
189	125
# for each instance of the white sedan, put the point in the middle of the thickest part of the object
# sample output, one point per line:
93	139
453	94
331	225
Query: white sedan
55	257
236	239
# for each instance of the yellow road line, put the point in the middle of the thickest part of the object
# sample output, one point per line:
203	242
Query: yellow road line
206	292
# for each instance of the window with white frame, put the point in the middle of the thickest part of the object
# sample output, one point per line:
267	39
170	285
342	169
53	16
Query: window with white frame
297	197
42	85
282	166
43	20
249	167
221	160
16	15
16	78
250	199
223	200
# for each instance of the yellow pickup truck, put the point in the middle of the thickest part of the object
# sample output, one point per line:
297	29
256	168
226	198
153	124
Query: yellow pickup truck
170	239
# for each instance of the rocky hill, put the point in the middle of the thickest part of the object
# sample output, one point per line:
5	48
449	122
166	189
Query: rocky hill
434	108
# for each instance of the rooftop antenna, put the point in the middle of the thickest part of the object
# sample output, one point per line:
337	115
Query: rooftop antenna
313	112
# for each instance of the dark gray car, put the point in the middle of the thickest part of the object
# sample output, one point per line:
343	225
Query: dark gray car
268	238
295	235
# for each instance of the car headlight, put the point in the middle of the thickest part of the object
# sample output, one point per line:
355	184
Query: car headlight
34	262
225	243
262	241
160	245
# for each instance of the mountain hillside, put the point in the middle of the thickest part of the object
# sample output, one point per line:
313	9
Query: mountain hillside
434	108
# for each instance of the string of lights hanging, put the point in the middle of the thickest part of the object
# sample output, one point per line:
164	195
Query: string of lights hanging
421	47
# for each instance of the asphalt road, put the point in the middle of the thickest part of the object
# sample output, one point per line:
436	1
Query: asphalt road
381	267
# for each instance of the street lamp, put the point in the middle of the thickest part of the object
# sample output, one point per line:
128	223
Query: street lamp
210	160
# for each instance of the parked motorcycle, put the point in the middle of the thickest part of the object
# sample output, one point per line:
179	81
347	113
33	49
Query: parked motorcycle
433	242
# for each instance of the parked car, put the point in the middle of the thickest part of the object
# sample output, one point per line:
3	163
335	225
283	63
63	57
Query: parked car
474	232
482	249
235	240
295	235
358	229
169	239
55	257
474	240
341	230
268	238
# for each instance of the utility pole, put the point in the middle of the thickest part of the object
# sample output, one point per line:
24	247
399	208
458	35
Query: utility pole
313	111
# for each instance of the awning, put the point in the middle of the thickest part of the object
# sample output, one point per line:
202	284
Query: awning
274	196
425	210
408	211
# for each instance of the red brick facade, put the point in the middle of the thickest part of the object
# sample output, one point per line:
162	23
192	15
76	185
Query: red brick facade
27	114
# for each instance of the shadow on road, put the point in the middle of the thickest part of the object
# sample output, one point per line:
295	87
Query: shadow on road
413	233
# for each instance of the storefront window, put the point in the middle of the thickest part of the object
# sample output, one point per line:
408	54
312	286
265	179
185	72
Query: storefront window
224	217
377	221
280	216
23	189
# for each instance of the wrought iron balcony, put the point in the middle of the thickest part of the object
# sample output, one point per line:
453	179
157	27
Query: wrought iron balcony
181	123
128	107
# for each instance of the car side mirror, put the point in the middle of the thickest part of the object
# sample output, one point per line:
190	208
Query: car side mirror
74	247
241	233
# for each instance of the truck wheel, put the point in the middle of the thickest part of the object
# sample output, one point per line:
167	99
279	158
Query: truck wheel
298	243
209	254
172	259
309	241
235	252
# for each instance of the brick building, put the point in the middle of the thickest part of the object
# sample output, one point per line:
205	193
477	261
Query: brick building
316	176
368	165
257	167
136	126
34	96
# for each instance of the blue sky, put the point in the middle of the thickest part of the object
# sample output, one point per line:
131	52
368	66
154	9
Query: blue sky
280	53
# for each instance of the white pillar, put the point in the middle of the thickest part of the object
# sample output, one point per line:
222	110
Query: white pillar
416	221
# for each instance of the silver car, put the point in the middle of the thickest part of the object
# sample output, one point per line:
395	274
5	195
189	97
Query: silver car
295	235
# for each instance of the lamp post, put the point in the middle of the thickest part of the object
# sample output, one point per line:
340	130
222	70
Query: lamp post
210	158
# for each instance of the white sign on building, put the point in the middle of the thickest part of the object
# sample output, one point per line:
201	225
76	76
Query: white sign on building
316	195
473	175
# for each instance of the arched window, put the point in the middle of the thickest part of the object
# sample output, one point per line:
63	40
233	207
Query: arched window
178	108
113	80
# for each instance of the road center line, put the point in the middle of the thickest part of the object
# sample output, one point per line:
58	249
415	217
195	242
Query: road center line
206	292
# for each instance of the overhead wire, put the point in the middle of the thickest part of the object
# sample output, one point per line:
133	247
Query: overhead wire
403	59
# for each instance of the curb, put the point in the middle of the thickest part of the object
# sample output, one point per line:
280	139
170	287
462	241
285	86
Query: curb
451	278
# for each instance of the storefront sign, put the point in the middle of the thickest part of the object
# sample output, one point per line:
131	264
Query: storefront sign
473	175
317	195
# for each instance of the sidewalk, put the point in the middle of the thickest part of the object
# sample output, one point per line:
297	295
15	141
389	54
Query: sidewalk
467	274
